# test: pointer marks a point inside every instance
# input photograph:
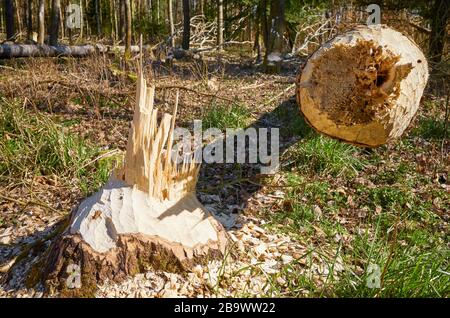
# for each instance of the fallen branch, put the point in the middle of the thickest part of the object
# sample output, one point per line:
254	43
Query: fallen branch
31	202
8	51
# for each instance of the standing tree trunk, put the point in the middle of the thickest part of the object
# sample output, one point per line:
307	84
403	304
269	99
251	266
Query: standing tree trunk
441	16
127	7
263	21
157	11
41	22
220	24
257	45
171	24
54	25
121	20
30	19
17	16
9	19
98	18
186	25
274	48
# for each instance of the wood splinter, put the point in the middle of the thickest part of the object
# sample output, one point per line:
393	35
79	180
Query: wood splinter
146	216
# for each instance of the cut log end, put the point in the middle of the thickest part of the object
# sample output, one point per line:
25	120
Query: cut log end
364	86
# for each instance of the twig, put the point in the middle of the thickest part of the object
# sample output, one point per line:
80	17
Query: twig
280	94
39	203
105	155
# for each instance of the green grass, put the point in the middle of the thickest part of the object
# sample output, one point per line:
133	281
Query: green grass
398	233
321	155
32	144
224	116
432	128
416	268
293	122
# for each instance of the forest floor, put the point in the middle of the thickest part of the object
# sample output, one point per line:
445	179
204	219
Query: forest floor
335	220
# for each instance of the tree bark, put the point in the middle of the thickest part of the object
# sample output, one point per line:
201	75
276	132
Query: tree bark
8	51
9	19
29	19
220	24
98	18
274	48
127	7
121	20
264	26
171	24
186	25
41	22
343	95
55	22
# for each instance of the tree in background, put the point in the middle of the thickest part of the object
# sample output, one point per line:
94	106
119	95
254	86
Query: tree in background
9	19
220	24
41	22
55	22
171	24
186	25
127	8
29	18
275	37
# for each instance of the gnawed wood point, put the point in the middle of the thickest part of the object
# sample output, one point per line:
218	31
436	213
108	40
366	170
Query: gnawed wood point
146	216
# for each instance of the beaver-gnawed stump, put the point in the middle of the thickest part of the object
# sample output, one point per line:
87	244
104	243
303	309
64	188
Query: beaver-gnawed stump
364	86
146	216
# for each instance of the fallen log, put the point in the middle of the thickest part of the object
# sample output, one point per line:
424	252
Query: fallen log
146	217
8	51
363	87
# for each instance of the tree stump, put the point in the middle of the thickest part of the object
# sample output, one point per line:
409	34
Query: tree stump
146	216
363	87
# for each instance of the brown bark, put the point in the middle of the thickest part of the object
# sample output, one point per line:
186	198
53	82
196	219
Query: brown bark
186	25
29	16
220	24
274	48
135	253
98	18
171	24
127	8
41	22
9	19
55	22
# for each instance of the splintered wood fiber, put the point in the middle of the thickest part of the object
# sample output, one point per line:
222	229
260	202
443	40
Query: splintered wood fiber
364	86
357	84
